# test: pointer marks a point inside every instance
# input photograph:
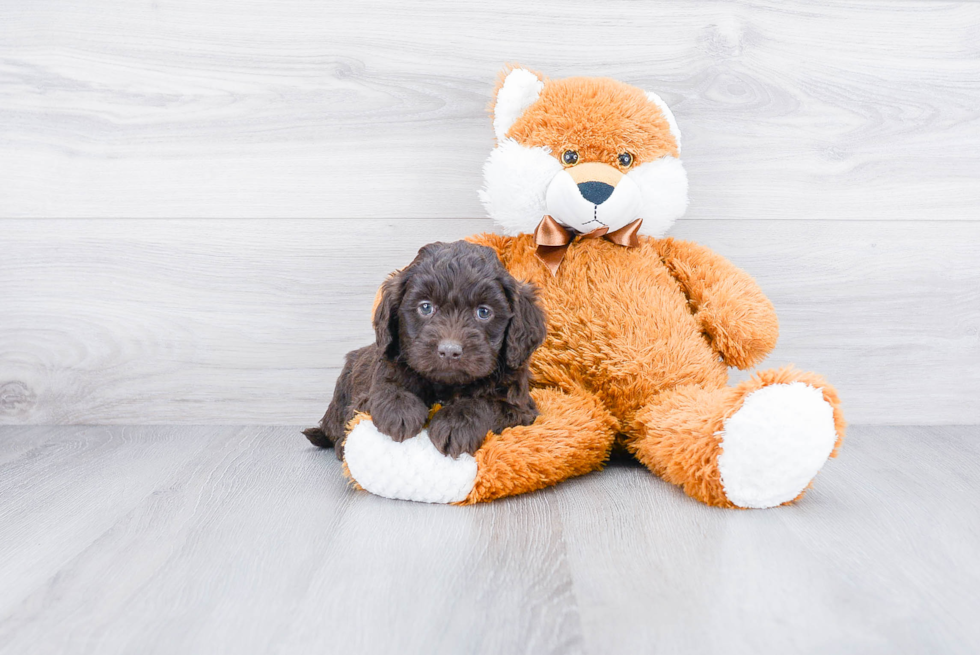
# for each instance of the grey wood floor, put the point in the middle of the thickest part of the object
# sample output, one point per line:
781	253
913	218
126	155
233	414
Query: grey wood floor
244	539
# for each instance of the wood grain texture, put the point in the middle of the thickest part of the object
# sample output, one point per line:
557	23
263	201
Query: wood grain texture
168	539
251	108
861	565
219	321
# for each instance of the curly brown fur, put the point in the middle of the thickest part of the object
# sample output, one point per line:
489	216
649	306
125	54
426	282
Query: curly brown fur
453	328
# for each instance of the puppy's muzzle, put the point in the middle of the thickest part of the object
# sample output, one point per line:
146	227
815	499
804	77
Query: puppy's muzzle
450	350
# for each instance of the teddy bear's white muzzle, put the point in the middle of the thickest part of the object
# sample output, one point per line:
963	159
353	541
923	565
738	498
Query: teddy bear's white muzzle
590	205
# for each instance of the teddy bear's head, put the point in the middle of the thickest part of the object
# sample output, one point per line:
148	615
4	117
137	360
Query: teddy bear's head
589	152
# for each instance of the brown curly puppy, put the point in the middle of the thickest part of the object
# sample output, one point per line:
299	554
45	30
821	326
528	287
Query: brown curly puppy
454	328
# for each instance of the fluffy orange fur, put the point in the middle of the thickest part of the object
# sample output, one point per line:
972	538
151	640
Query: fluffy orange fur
571	437
598	117
639	341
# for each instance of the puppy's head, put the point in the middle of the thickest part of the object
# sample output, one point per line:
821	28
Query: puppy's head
456	315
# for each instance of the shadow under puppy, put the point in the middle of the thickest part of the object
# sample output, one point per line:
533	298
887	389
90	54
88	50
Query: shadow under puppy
453	328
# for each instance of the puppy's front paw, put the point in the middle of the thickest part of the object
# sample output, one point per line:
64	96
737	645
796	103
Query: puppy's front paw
402	417
453	433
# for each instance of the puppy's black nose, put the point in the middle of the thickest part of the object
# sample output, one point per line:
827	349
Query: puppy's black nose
595	192
450	349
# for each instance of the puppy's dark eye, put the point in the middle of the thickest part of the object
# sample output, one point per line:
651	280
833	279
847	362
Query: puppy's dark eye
484	313
426	308
625	160
569	158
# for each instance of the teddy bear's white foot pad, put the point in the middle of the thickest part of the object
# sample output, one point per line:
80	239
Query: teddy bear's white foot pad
410	470
775	444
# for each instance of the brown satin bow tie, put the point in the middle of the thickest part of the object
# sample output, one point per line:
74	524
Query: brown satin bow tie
552	239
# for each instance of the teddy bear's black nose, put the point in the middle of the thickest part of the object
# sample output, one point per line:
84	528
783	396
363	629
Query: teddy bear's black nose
595	192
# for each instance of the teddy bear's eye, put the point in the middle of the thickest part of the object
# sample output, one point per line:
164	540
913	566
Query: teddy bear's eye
625	160
569	157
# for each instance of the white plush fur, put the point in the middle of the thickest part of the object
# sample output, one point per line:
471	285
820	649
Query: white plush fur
410	470
566	205
663	183
521	88
669	115
517	192
515	180
775	444
522	184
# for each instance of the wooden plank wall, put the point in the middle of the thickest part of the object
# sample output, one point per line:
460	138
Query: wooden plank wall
832	150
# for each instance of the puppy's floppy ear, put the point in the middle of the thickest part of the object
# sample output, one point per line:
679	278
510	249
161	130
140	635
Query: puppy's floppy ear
528	328
389	300
386	314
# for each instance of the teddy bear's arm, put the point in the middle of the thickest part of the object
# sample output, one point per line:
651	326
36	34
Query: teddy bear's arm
728	303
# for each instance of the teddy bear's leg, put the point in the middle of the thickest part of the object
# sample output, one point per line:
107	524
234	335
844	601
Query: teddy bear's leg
757	444
572	435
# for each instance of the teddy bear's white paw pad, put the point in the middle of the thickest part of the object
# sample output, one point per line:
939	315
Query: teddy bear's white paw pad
775	444
410	470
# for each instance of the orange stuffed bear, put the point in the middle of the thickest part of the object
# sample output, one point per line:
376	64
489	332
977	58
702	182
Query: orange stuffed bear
584	181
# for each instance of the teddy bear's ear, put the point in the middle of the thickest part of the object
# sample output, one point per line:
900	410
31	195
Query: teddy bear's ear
517	90
669	115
